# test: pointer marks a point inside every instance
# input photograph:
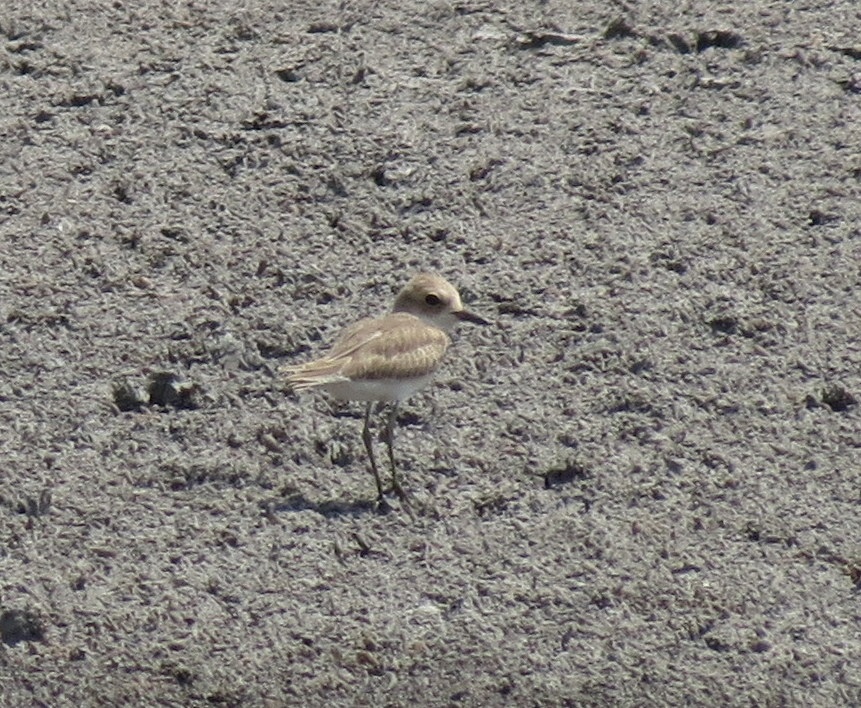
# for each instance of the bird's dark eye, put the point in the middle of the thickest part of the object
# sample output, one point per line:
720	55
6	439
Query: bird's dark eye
432	300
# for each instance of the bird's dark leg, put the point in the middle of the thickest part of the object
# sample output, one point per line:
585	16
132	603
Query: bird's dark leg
390	440
369	447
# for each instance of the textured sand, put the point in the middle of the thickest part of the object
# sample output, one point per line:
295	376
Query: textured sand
641	487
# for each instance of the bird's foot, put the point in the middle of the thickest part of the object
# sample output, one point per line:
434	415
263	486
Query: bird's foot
382	506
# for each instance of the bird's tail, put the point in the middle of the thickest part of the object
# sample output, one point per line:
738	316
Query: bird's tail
312	375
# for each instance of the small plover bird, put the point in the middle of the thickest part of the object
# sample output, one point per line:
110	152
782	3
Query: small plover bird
387	359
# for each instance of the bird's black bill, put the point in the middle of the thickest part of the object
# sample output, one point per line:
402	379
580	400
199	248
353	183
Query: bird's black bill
467	316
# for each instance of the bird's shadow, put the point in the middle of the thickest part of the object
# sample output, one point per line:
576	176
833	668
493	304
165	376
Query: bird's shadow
329	508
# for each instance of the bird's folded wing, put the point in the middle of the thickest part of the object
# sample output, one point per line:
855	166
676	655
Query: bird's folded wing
395	346
403	352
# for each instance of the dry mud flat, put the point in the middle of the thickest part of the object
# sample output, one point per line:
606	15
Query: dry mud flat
640	487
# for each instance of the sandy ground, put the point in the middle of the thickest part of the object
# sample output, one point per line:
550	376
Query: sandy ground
640	487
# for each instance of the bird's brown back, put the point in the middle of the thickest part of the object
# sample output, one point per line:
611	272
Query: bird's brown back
397	346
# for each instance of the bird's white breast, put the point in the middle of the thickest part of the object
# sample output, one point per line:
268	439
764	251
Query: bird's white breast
376	389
